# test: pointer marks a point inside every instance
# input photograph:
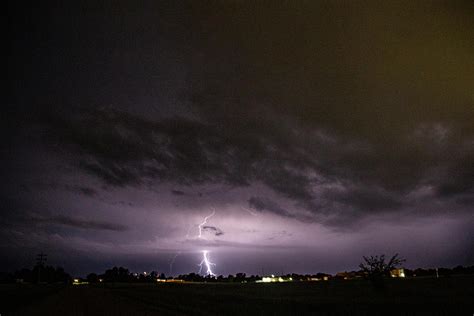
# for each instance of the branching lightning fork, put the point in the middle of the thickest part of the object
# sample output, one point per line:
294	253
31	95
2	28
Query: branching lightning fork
205	261
204	222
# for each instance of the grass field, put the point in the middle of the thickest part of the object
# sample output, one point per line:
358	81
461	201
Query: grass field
422	296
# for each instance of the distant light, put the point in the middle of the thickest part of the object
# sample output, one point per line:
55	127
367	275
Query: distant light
78	282
397	273
273	279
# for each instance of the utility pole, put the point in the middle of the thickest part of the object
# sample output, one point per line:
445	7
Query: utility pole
40	260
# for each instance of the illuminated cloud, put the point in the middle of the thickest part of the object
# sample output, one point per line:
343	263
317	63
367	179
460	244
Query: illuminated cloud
348	127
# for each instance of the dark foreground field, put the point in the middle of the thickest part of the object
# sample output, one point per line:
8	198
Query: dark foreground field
444	296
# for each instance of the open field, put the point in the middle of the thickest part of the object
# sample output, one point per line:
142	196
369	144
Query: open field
422	296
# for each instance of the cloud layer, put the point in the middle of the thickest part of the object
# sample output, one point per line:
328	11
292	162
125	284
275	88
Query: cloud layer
307	125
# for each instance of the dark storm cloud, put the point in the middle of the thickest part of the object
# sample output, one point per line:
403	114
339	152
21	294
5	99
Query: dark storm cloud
78	189
369	89
87	191
342	109
460	180
351	121
127	150
17	216
366	200
80	223
123	149
262	204
177	192
216	231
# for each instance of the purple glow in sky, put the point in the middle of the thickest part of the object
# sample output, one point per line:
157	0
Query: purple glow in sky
278	137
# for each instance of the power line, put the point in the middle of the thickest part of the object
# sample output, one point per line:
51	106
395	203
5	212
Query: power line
40	261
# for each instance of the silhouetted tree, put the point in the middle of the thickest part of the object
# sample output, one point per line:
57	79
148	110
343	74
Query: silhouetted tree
376	268
240	277
92	278
49	274
376	265
191	277
117	275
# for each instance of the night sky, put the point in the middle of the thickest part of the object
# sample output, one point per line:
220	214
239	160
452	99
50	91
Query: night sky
317	131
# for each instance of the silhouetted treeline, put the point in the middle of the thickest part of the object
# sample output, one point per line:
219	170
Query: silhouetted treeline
39	274
49	274
442	272
121	274
239	277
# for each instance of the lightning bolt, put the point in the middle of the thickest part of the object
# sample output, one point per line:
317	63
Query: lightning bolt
249	211
172	261
205	254
204	222
205	261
